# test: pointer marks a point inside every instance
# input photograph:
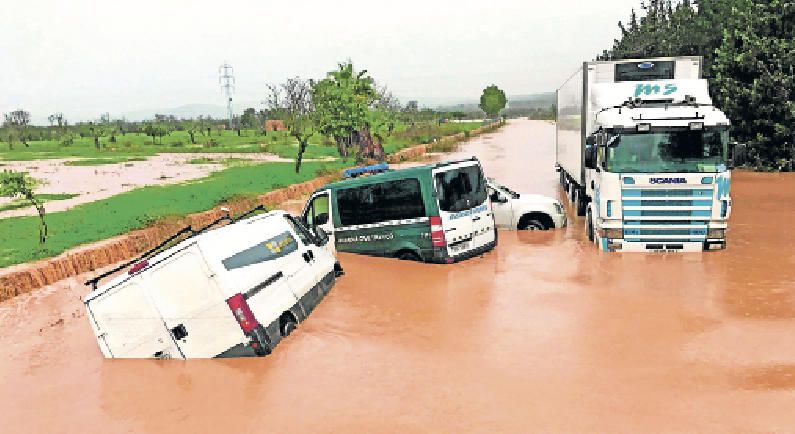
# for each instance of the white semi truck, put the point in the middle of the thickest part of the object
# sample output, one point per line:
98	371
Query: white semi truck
643	155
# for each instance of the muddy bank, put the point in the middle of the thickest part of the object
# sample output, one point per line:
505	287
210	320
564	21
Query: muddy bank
544	334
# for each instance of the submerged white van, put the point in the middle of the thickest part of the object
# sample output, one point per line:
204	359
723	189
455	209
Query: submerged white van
232	291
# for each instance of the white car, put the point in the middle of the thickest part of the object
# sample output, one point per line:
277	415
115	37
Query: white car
524	211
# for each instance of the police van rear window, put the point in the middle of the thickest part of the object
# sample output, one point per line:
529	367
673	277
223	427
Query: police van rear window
461	189
276	247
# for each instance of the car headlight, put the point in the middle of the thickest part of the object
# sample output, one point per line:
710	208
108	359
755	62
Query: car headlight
716	233
558	207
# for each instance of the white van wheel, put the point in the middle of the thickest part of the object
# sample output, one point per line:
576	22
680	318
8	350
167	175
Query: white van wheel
287	324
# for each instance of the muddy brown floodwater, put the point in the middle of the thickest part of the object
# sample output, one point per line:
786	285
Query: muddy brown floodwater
543	334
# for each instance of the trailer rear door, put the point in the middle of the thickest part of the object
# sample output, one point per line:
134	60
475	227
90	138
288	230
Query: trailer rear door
128	325
193	306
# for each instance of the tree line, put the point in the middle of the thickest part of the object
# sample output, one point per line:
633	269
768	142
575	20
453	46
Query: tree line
748	48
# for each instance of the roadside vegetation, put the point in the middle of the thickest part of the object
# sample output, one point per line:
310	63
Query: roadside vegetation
748	48
344	118
142	207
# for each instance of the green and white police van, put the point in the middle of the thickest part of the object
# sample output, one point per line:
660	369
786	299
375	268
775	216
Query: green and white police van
435	213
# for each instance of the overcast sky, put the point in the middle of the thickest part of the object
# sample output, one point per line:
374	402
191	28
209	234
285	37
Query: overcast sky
85	57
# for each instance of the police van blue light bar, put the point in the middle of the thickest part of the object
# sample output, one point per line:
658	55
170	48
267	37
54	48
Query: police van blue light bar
365	170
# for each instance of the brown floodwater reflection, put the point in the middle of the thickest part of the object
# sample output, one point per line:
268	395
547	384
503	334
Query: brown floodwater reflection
545	333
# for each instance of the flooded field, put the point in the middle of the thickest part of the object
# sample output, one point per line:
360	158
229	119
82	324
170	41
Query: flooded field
543	334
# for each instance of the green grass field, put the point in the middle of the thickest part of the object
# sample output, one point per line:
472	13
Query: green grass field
22	203
141	207
132	146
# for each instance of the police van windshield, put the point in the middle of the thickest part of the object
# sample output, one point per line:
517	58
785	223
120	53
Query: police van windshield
461	189
669	151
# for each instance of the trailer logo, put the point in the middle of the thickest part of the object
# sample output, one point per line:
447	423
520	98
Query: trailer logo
654	89
667	181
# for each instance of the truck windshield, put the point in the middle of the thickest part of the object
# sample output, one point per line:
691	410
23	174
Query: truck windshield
461	189
669	151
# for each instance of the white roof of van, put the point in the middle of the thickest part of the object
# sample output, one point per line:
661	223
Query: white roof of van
210	235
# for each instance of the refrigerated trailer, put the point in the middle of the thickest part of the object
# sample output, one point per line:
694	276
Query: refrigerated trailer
643	155
232	291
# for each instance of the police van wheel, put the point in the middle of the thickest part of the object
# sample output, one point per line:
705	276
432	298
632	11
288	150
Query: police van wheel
287	324
534	225
407	255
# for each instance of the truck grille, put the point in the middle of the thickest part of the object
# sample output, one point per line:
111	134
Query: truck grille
666	215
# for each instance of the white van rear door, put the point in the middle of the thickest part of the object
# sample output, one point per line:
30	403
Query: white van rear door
128	325
193	306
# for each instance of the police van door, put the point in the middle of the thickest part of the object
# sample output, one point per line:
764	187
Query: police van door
193	306
318	214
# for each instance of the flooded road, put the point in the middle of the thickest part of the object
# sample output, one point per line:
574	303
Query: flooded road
543	334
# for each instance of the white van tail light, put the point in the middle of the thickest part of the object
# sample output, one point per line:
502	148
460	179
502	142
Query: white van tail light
437	232
237	303
138	267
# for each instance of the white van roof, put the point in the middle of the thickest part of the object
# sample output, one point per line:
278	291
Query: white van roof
218	241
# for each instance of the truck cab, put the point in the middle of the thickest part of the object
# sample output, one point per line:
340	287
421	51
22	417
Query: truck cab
654	173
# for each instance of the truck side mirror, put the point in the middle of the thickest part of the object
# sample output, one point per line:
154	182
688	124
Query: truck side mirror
590	157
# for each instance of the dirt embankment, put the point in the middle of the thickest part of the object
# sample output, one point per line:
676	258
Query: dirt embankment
23	278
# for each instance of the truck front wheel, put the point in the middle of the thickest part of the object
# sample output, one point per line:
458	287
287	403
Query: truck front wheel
580	203
589	225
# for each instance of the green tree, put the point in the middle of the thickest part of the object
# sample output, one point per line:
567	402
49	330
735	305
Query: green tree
16	126
343	102
754	71
492	101
249	118
21	185
157	130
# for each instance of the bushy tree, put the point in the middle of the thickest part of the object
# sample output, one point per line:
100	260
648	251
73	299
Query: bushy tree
343	101
492	101
754	71
21	185
16	126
